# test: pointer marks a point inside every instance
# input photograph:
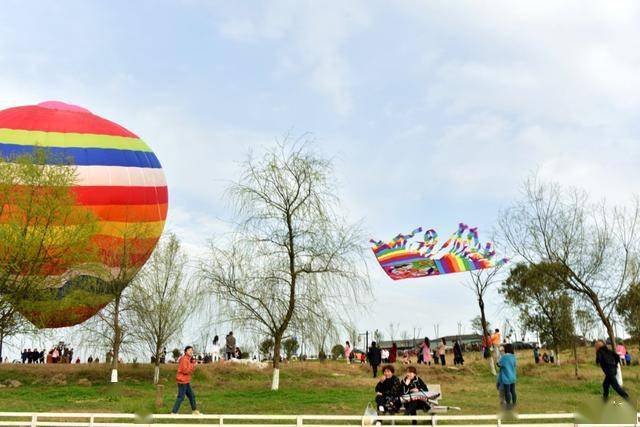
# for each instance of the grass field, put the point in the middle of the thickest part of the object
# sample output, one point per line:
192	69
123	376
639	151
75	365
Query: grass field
306	388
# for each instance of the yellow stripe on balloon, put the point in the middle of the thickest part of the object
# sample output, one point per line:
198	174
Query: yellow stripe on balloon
141	230
76	140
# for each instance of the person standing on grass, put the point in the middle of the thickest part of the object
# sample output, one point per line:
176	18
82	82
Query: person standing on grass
230	345
442	351
385	355
425	351
458	359
375	358
507	376
496	339
608	361
186	365
536	355
393	354
622	353
215	350
347	352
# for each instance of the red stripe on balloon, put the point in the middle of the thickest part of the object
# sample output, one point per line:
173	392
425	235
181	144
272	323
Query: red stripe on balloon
32	117
107	195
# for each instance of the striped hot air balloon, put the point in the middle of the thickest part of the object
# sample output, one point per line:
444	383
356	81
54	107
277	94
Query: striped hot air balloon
119	178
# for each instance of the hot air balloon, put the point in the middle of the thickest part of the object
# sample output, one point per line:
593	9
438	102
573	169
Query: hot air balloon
119	179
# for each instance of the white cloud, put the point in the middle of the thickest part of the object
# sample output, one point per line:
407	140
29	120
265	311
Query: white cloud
312	37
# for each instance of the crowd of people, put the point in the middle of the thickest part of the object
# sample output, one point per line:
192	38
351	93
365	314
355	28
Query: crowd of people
424	353
59	353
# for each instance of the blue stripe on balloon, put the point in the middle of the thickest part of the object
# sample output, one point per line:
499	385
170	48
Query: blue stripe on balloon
88	156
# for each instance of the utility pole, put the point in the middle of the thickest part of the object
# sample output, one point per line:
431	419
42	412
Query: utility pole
459	329
436	330
366	340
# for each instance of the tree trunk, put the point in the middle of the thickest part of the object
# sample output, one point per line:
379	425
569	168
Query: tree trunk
575	356
156	372
277	342
1	346
116	340
557	350
483	322
606	321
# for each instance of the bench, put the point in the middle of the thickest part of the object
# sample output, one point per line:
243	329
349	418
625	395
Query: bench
435	409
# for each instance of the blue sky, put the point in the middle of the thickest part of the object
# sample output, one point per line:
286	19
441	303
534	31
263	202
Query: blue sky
433	111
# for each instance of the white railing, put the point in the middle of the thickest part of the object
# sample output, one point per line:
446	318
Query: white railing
52	419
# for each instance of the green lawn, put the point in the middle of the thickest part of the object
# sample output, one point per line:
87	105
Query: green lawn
306	388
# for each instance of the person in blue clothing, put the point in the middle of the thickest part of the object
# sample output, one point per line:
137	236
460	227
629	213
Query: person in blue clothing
507	376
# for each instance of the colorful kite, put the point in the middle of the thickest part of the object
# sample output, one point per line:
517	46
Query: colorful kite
402	258
119	178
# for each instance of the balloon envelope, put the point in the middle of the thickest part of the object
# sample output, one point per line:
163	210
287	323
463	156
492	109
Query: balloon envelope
119	178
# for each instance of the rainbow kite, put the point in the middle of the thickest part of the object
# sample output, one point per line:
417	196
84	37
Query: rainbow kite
402	259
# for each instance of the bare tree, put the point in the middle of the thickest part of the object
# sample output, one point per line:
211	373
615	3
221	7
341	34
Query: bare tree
597	247
393	330
161	299
481	281
586	321
378	336
291	248
323	332
352	333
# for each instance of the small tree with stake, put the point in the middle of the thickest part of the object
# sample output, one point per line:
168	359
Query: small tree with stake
482	281
291	249
161	300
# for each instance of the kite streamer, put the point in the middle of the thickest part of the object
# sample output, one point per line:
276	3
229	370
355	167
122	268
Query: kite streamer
404	257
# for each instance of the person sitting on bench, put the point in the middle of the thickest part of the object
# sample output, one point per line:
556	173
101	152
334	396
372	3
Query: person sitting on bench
387	391
412	383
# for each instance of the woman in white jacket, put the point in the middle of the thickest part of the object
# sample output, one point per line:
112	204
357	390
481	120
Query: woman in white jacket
215	352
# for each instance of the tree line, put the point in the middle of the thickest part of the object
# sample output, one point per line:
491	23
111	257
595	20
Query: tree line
293	262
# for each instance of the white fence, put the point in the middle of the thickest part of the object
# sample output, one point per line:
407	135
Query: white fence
51	419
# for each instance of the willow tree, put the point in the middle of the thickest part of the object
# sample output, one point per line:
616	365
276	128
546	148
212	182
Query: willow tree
292	247
12	323
594	247
45	235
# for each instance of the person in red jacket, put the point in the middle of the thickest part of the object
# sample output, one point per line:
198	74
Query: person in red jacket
186	366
